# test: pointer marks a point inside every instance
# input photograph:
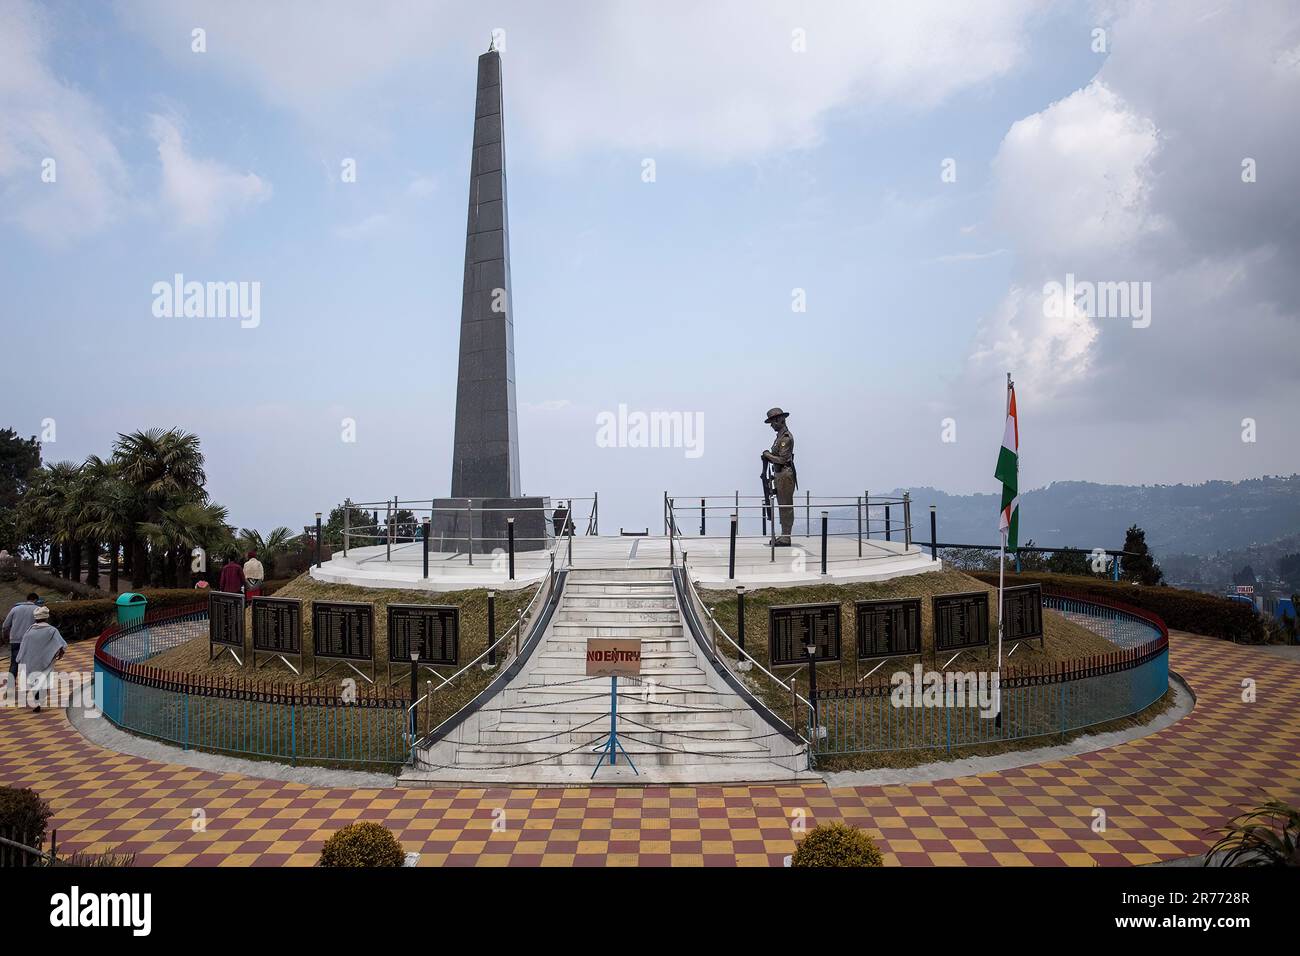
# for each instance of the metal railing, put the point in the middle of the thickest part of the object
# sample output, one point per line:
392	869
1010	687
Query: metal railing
744	675
1035	701
868	521
239	715
500	652
409	525
20	849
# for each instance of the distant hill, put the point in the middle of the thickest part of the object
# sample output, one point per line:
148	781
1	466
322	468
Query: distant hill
1199	519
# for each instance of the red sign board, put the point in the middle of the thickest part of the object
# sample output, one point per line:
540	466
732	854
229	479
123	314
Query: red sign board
613	657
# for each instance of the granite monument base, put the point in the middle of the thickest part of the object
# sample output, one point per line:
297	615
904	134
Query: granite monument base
457	520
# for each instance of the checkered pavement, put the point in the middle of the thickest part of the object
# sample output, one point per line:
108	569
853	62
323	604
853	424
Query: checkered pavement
1161	796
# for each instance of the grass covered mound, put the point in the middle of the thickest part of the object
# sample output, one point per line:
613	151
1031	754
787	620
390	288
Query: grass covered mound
1210	614
1064	640
192	656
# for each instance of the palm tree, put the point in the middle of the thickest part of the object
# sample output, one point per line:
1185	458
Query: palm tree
275	544
37	510
181	528
164	469
48	510
110	514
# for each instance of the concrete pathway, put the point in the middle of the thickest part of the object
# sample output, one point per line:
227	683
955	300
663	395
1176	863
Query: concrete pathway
1161	795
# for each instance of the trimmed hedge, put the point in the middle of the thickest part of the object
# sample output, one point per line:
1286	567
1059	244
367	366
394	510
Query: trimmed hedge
1183	610
836	844
362	844
80	620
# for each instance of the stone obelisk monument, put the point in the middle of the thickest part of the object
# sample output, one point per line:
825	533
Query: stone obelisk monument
485	458
485	484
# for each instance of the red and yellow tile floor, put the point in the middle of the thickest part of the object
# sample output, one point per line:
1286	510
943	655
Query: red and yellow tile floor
1161	796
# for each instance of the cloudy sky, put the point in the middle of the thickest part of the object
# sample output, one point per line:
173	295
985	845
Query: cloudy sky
916	175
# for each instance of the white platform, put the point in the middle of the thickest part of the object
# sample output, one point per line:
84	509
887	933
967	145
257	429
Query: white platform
707	559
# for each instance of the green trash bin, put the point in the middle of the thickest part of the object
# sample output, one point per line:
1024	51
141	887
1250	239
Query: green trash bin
130	608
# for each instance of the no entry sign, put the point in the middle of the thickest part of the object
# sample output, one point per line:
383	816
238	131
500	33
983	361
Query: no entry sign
613	657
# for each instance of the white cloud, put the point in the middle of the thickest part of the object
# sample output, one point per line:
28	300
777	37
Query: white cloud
1137	177
42	117
200	193
1075	177
721	83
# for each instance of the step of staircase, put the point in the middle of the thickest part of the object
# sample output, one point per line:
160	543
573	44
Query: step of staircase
677	721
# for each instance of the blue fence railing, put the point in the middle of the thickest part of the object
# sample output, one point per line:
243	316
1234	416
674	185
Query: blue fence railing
1033	702
240	716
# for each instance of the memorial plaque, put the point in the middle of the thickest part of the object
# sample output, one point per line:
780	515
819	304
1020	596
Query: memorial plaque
343	630
434	628
226	619
961	620
1022	613
888	628
791	627
277	625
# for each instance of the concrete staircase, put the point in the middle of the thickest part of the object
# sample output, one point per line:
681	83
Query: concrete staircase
681	722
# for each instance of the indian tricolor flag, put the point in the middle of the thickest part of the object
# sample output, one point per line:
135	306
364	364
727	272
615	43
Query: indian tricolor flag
1008	471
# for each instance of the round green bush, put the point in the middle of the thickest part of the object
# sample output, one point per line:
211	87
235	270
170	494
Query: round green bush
835	844
362	844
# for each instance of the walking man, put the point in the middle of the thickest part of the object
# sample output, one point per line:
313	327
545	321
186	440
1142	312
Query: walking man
42	646
17	622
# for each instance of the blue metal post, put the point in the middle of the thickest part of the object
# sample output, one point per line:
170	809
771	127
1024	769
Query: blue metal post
613	720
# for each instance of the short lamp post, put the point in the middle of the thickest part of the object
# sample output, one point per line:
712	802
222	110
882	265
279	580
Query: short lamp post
415	686
318	539
811	648
742	662
492	631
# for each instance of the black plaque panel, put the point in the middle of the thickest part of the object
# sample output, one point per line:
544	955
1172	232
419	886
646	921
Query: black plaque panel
226	619
888	628
343	630
791	627
961	620
1022	612
435	629
277	625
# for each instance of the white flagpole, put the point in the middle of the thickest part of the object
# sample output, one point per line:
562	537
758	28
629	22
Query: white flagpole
1002	563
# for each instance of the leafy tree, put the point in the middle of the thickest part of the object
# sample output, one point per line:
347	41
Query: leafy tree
1245	576
19	457
1288	569
1069	562
1140	567
358	520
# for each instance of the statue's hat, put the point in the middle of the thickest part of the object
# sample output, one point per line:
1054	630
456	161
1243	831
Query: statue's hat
774	413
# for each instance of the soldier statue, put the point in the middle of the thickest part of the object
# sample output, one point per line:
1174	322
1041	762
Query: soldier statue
784	477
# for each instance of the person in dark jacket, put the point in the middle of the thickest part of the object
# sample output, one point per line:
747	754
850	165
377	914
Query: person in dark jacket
232	577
